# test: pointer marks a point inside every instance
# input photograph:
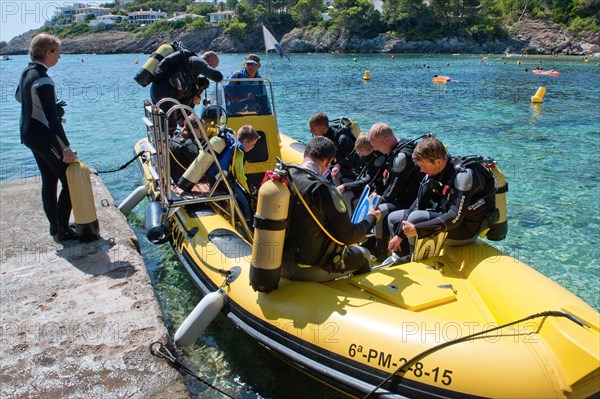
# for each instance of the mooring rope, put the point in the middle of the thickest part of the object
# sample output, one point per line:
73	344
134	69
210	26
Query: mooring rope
139	154
158	349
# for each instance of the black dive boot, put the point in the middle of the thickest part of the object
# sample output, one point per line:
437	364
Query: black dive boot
66	233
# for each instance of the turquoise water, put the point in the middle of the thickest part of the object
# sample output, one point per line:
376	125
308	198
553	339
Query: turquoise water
549	153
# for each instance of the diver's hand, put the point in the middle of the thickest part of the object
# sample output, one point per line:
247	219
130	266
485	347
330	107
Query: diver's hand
375	212
394	244
69	156
409	229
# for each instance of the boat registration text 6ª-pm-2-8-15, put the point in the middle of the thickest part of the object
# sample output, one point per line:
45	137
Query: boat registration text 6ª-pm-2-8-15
384	359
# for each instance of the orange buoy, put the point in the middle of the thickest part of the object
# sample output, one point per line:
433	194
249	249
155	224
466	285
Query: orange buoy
367	75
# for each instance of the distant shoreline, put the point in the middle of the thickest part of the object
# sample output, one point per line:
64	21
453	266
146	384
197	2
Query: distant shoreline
534	37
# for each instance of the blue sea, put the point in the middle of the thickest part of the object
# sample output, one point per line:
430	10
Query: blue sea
548	151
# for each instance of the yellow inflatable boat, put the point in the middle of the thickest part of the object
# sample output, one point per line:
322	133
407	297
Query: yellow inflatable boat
467	322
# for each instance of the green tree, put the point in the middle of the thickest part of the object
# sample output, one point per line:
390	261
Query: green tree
307	12
237	29
356	17
456	16
168	6
231	4
203	8
411	18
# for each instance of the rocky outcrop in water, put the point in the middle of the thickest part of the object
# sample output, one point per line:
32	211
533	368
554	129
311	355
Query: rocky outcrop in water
530	37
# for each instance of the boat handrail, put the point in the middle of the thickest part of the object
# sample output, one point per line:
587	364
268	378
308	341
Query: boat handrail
157	128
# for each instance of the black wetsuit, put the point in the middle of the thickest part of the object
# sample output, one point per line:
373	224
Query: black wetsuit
42	132
183	152
306	243
371	174
181	80
458	201
403	177
345	155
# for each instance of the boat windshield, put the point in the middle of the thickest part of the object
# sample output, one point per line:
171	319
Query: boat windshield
243	97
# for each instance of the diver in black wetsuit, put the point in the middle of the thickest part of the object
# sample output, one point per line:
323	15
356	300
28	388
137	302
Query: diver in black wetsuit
370	172
309	253
345	157
43	134
401	181
452	198
183	76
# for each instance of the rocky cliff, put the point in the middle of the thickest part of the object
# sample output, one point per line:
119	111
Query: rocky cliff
531	37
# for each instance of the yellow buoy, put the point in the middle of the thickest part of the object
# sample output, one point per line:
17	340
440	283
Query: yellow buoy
136	61
539	95
367	75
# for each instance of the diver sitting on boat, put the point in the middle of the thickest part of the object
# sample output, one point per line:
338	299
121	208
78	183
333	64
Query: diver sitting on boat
372	164
457	197
246	140
343	138
320	232
401	183
183	148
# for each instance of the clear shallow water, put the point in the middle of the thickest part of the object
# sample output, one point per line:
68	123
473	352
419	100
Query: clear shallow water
549	153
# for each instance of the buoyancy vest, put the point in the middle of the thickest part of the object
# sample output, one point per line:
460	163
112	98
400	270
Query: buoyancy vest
402	176
438	193
317	248
177	71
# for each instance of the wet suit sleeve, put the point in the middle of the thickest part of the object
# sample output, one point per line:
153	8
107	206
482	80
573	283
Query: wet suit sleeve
342	228
47	98
199	66
363	181
343	153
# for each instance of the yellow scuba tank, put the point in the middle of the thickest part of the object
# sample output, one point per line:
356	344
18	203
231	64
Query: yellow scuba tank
200	165
270	224
145	75
500	229
82	199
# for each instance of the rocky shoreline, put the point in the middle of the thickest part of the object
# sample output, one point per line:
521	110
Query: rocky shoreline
531	37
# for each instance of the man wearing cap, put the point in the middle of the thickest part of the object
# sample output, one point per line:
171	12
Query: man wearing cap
247	96
251	66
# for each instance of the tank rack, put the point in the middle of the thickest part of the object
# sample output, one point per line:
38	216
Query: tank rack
159	166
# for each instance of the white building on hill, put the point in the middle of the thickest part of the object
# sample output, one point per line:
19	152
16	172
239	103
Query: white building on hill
146	17
84	13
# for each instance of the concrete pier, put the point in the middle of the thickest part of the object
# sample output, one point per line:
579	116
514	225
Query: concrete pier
77	319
